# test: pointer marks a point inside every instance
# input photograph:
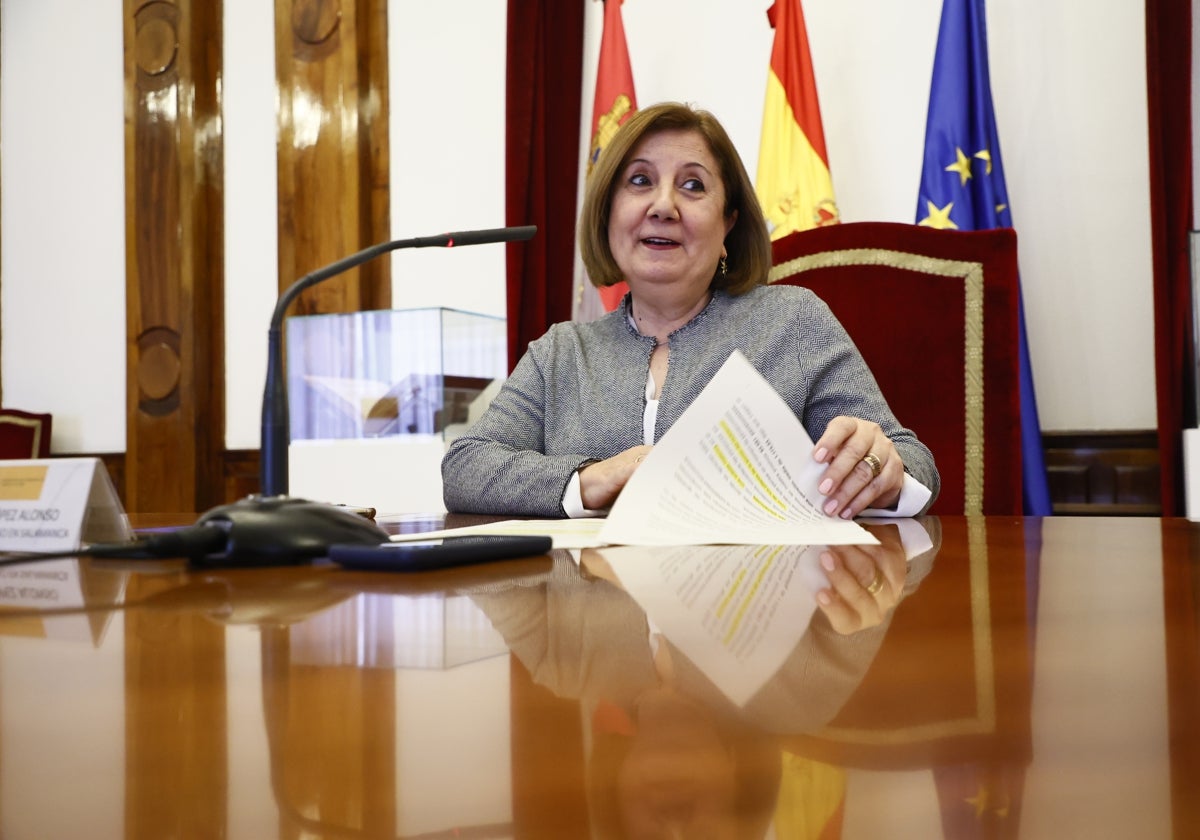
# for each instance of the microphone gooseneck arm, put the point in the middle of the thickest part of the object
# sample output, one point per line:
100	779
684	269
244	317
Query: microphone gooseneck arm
275	427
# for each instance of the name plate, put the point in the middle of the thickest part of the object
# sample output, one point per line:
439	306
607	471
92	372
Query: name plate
57	504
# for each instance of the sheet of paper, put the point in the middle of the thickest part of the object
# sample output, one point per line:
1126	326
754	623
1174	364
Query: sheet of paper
736	612
566	533
736	467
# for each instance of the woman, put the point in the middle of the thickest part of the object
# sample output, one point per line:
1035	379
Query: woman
670	209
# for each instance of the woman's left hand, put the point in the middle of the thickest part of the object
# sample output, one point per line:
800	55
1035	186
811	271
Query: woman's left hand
864	469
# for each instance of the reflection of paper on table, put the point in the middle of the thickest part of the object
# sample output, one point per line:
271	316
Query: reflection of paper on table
736	467
735	611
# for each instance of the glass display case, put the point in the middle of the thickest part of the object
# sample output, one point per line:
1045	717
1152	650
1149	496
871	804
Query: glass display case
390	372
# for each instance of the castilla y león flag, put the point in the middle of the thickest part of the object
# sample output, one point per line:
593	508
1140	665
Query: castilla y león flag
613	104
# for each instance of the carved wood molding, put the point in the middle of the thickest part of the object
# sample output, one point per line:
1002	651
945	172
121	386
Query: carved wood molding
174	216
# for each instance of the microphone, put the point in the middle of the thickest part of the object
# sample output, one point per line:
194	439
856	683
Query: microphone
275	428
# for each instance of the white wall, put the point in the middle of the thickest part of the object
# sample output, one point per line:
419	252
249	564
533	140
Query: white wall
1070	101
251	216
447	149
62	218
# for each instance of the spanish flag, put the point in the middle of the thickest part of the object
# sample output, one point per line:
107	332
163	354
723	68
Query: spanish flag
793	183
614	103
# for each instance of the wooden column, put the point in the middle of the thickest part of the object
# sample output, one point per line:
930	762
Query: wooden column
174	254
331	61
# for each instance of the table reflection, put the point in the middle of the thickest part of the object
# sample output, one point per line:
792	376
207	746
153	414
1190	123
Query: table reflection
378	709
698	691
658	646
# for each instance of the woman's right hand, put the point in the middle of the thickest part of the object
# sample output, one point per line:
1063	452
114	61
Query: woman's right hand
600	482
865	582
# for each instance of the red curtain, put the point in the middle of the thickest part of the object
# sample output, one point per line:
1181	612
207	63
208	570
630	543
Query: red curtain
545	74
1168	77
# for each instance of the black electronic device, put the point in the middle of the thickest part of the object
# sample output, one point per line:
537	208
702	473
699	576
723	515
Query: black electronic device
282	530
255	531
438	554
251	532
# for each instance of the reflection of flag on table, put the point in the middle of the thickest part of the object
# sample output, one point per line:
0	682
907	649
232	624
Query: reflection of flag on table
962	184
793	181
614	102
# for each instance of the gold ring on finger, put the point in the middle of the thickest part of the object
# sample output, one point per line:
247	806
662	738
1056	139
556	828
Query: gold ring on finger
876	582
872	461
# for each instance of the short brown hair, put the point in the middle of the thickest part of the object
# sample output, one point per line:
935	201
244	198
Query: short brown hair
748	242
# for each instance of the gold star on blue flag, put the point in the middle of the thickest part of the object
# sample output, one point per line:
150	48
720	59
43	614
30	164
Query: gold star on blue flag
962	184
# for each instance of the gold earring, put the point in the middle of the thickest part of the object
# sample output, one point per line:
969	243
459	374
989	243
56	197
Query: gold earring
724	267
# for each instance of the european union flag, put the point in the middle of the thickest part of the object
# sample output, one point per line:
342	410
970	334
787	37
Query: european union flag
962	184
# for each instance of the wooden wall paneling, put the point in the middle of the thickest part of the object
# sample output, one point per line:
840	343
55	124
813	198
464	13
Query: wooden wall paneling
175	255
241	469
1105	473
331	63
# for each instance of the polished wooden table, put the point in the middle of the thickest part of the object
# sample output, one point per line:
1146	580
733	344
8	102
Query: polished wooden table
1039	678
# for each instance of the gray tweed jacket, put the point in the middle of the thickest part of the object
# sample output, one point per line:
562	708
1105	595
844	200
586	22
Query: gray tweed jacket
579	394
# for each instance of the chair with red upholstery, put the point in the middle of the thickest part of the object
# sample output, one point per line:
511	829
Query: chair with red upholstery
934	313
24	434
